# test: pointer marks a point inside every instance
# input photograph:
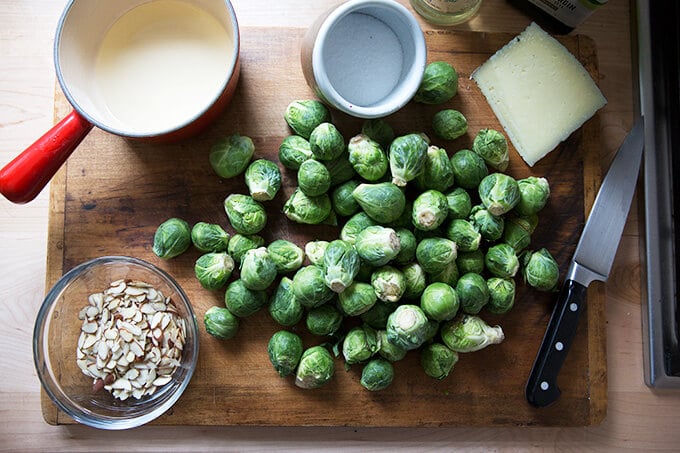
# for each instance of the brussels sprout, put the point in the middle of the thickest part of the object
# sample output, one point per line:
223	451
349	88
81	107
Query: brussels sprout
220	323
230	156
209	237
439	83
488	225
501	261
239	244
285	350
304	115
388	283
367	157
342	199
354	225
246	215
313	178
301	208
377	375
214	269
408	244
258	270
263	179
294	150
533	195
470	333
340	169
540	270
448	275
383	202
357	299
340	265
433	254
315	369
439	301
517	233
415	280
430	210
324	320
492	146
460	203
499	193
377	245
407	157
389	351
379	130
243	302
377	315
501	295
284	307
408	327
360	344
449	124
172	238
437	172
438	360
326	142
468	168
287	256
309	287
470	262
473	293
464	234
315	251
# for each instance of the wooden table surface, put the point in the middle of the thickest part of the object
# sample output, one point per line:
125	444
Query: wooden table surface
638	419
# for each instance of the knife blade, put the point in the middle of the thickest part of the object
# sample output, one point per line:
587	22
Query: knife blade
592	261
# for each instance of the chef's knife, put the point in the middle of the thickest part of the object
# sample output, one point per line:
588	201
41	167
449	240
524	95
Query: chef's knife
592	260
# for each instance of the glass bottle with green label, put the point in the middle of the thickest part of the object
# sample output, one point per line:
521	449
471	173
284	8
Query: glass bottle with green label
559	16
446	12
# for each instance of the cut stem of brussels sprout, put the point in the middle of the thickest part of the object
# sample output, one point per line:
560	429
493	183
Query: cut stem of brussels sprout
408	327
430	210
263	179
388	283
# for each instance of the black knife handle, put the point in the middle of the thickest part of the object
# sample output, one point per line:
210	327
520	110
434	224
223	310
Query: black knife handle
542	389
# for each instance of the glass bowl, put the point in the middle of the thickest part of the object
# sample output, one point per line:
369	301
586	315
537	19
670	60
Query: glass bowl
56	336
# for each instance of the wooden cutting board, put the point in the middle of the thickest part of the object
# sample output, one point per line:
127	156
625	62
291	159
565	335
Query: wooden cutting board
113	193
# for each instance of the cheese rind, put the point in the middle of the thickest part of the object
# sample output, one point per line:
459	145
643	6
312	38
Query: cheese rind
539	91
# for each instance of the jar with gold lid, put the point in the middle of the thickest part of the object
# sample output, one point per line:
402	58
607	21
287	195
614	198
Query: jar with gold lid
446	12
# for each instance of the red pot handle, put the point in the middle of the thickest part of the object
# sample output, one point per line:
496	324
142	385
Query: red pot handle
23	178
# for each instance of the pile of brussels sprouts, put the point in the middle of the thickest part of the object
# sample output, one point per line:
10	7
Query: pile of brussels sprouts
426	242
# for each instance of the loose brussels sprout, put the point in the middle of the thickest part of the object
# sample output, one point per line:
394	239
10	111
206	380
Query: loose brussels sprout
315	251
220	323
488	225
377	245
326	142
470	333
284	307
246	215
448	275
415	279
377	315
470	262
287	256
383	202
309	287
407	246
377	375
301	208
313	178
304	115
533	195
473	293
355	225
434	254
468	168
464	234
438	360
315	369
342	199
388	283
492	146
360	344
517	232
263	179
340	169
408	327
230	157
239	244
285	350
501	295
449	124
324	320
460	203
367	157
379	130
243	302
389	351
439	301
258	270
437	172
501	261
340	264
430	210
439	83
294	150
407	157
540	270
357	299
499	193
214	269
209	237
172	238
